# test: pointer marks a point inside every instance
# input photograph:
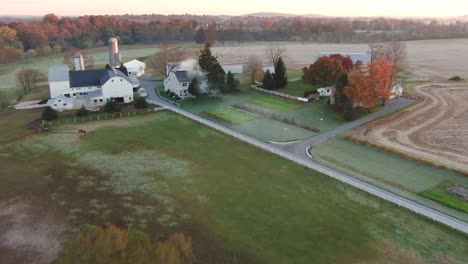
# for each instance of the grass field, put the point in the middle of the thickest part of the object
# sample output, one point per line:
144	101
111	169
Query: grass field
297	88
385	168
275	103
271	130
233	115
441	194
163	174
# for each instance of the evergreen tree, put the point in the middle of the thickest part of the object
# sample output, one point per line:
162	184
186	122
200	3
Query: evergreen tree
82	112
194	87
210	64
231	82
280	76
49	114
268	81
140	103
341	83
111	106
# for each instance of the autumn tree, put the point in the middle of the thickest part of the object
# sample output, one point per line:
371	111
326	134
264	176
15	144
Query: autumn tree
394	52
368	85
280	76
253	69
115	245
161	62
28	79
323	72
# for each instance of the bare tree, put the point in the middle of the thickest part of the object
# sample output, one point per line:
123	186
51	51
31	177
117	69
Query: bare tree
159	62
27	79
273	53
394	52
253	69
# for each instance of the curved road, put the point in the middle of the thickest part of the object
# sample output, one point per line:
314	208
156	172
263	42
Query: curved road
296	153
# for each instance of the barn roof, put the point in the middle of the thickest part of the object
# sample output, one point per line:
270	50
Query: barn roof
182	76
93	77
355	56
134	64
58	73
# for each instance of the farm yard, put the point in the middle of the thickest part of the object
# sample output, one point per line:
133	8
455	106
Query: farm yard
162	174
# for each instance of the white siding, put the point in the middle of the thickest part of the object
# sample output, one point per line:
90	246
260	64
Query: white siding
118	87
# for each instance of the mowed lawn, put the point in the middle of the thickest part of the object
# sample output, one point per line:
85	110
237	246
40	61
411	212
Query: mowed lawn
297	88
232	115
275	211
385	168
275	103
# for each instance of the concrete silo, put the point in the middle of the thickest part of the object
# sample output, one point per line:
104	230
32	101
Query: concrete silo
114	55
78	62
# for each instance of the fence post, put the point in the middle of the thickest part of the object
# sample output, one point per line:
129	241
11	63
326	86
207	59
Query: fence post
120	114
83	119
98	117
128	113
112	115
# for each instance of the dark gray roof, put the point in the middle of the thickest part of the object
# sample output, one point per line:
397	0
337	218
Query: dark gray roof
182	76
93	77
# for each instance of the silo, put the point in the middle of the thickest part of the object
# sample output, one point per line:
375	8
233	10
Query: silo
114	55
78	62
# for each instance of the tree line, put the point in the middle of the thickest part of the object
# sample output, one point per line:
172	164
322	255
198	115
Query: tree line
52	34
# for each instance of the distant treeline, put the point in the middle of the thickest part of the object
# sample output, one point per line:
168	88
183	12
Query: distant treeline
52	34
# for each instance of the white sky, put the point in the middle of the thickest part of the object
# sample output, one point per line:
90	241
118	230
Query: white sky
426	8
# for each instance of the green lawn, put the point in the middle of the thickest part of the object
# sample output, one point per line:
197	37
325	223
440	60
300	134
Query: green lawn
163	174
232	115
271	130
384	168
297	88
442	194
275	103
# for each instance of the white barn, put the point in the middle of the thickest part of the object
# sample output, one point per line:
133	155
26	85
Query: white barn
89	88
178	83
135	68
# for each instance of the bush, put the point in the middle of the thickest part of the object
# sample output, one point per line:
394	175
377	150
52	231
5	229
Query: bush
140	103
309	93
49	114
82	112
111	106
456	78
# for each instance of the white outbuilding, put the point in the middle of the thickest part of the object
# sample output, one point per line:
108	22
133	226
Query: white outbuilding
135	68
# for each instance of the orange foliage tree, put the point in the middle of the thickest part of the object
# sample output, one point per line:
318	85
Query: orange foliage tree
369	84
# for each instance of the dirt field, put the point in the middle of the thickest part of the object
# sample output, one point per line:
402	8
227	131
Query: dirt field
435	130
431	59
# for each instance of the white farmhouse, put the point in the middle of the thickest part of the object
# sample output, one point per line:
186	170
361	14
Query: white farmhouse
397	90
178	83
89	88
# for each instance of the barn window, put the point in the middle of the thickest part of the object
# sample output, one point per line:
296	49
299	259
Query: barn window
55	104
95	100
100	100
64	104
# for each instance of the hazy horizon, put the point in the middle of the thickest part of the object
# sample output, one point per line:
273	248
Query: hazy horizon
393	8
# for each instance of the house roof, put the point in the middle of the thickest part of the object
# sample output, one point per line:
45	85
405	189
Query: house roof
134	64
58	73
355	56
182	76
94	77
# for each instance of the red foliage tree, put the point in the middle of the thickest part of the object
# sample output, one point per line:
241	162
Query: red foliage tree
369	84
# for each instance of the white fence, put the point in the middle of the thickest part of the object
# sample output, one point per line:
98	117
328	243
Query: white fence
369	188
287	96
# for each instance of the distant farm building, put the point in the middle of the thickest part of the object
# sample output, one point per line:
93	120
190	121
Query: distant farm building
365	58
92	88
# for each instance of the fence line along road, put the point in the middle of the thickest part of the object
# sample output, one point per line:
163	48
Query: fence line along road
428	212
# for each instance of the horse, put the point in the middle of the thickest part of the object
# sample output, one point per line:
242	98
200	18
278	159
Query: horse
82	132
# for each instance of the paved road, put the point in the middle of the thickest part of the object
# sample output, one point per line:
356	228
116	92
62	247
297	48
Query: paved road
300	159
300	147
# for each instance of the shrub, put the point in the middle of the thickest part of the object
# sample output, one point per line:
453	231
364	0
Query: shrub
49	114
309	93
111	106
82	112
140	103
456	78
